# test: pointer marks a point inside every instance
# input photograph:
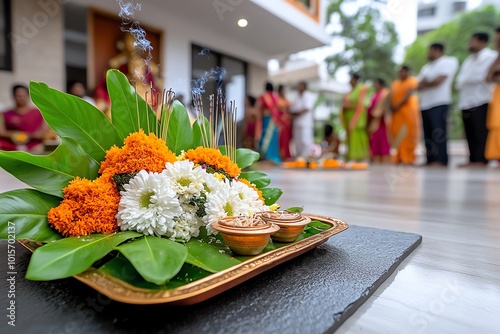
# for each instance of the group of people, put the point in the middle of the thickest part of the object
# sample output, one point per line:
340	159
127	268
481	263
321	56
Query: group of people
392	117
277	128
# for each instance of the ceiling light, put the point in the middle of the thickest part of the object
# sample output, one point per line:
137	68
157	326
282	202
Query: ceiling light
242	23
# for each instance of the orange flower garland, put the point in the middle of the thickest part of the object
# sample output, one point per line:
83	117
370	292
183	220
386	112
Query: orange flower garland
88	207
213	158
140	152
251	185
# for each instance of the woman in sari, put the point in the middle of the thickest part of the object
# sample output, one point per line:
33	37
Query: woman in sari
269	129
285	133
355	121
377	130
23	127
405	117
492	151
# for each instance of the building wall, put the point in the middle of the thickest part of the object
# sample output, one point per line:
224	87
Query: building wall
38	47
257	76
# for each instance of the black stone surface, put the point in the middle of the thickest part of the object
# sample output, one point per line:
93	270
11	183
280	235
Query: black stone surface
314	293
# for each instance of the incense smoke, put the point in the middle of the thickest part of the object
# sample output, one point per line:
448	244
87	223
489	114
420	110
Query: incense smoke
217	74
131	25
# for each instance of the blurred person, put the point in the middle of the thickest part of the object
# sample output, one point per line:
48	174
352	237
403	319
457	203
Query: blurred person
405	123
355	120
23	127
377	130
78	89
268	131
435	80
250	123
475	94
492	151
285	134
303	122
331	142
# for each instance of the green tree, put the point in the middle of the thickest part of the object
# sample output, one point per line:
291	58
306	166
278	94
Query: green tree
369	42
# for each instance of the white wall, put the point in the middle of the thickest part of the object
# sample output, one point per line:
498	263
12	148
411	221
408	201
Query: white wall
38	47
257	76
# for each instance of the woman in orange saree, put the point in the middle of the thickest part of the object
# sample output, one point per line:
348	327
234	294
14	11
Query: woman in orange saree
405	117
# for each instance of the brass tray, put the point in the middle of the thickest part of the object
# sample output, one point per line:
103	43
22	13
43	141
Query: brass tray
207	287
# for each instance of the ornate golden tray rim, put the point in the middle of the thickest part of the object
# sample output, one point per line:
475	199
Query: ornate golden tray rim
214	284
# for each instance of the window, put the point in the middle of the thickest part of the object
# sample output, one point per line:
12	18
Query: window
427	12
459	7
233	84
311	7
5	45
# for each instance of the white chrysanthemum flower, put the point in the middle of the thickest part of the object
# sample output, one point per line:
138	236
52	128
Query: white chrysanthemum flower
148	205
186	180
223	203
248	196
212	184
186	226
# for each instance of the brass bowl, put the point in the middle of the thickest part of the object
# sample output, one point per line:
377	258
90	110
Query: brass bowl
249	240
291	224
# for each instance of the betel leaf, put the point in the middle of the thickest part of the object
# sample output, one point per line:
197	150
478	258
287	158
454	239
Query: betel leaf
71	256
212	257
50	173
260	179
121	268
23	213
70	116
156	259
244	156
271	195
129	111
179	132
297	209
201	132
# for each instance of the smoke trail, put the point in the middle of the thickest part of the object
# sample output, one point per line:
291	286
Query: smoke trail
217	74
204	52
131	25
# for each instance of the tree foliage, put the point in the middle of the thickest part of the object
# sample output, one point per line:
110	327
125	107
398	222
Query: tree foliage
454	34
369	42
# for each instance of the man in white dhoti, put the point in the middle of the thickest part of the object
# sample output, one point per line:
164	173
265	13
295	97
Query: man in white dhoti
303	122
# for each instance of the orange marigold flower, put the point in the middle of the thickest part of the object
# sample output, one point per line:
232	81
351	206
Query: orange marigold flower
140	152
88	207
214	159
254	187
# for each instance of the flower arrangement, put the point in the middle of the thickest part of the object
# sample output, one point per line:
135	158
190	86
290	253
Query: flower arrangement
138	192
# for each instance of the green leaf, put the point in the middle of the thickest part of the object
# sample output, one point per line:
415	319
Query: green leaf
297	209
179	132
212	257
156	259
70	116
129	111
122	269
271	195
71	256
244	156
24	211
201	132
260	179
50	173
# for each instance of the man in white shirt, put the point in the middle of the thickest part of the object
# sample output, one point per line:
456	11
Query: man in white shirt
475	95
435	81
303	123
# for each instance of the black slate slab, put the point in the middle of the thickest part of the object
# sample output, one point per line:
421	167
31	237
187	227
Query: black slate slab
314	293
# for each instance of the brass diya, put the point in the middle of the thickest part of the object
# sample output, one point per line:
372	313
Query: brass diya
291	224
245	235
